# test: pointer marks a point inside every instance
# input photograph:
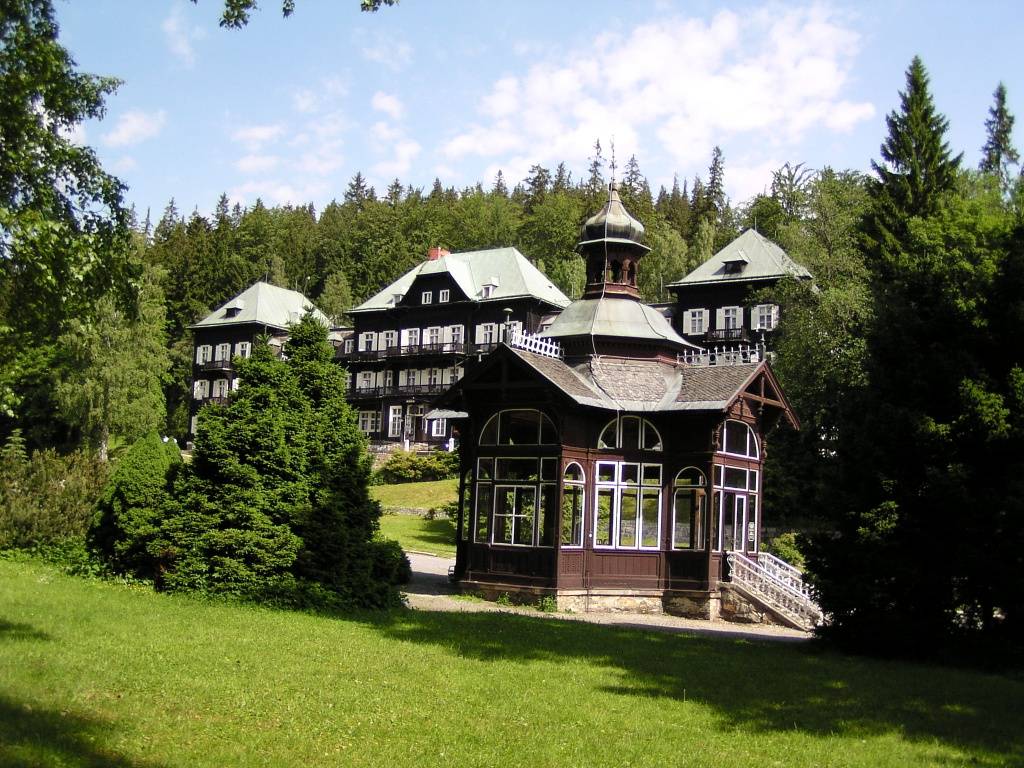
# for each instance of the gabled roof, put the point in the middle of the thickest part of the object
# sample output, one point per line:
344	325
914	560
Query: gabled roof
761	259
513	275
264	304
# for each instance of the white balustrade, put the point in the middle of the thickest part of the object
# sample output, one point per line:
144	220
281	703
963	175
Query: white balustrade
774	586
536	344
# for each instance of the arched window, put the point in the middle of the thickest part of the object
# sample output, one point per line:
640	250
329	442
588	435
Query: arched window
630	432
519	427
689	503
572	505
739	440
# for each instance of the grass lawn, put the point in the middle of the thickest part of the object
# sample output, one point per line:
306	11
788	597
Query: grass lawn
436	537
99	674
433	493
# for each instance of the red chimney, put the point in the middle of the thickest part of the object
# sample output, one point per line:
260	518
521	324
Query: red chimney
436	253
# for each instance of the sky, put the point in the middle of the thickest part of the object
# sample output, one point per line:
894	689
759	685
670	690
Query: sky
288	110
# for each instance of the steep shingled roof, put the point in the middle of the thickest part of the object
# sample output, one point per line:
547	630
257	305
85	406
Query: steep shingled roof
265	304
471	271
762	260
643	385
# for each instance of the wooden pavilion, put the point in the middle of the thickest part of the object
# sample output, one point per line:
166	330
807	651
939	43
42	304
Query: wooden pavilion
611	464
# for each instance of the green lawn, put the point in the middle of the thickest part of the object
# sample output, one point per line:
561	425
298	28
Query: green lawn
99	674
416	495
436	537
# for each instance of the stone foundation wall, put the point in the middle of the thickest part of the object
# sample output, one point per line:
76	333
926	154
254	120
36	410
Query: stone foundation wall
736	607
694	605
610	601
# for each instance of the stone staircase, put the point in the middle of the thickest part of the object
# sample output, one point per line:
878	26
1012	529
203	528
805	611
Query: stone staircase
776	586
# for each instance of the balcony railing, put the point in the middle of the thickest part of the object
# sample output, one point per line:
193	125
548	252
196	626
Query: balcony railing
360	393
413	350
216	365
727	334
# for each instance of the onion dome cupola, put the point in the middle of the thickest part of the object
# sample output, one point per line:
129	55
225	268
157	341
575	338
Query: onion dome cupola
611	243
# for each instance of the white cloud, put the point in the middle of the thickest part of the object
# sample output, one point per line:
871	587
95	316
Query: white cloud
305	101
180	37
124	164
391	53
254	163
135	126
276	192
767	77
75	134
404	152
387	103
255	136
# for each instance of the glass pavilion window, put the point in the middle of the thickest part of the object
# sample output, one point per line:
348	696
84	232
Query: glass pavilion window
517	496
689	497
628	504
630	432
573	497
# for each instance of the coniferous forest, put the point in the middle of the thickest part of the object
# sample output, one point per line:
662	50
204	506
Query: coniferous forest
902	359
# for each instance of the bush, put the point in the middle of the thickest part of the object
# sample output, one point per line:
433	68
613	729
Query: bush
46	498
409	467
785	546
449	510
129	511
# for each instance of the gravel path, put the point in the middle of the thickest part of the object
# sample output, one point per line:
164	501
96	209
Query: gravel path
430	590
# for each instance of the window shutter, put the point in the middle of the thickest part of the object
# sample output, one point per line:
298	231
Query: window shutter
199	355
720	318
706	315
775	315
739	317
447	376
402	376
480	333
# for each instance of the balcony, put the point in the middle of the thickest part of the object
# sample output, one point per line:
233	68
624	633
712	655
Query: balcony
216	365
727	334
454	348
369	393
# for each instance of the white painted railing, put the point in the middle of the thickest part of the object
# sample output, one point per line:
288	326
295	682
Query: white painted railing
777	592
782	571
738	355
537	344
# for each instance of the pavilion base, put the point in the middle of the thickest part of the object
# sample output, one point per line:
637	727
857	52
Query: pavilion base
693	603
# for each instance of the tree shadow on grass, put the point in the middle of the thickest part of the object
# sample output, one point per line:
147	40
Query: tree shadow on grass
440	533
13	630
753	685
31	736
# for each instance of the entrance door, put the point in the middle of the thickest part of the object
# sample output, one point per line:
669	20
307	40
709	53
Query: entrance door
733	522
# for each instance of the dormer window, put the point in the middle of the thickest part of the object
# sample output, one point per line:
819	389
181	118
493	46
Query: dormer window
489	288
396	298
443	296
234	307
427	297
735	264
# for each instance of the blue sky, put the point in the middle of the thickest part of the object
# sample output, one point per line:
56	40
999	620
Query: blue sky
289	109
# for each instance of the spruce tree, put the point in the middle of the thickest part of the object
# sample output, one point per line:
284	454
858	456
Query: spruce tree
917	163
999	154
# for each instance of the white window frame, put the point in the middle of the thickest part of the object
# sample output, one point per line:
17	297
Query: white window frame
617	486
696	322
365	380
580	484
368	342
200	389
700	491
434	336
222	351
438	427
443	296
457	336
349	346
413	337
390	340
204	353
765	317
752	441
427	297
369	421
243	349
395	421
731	318
220	388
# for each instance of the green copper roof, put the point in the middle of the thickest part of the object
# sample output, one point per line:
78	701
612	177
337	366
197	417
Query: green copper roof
512	275
612	224
265	304
759	257
615	317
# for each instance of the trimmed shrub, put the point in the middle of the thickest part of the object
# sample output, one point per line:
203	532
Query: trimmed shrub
129	511
410	467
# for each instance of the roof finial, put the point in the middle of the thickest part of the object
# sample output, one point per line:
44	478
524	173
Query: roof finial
613	166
